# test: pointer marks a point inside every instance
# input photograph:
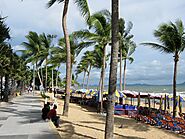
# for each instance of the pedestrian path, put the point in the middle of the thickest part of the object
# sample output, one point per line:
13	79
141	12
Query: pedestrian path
21	119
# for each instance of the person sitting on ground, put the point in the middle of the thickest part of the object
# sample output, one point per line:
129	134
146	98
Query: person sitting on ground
53	116
45	111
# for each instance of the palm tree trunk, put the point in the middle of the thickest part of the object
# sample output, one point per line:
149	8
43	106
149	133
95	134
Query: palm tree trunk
89	76
103	76
52	81
42	75
1	87
109	127
57	77
38	73
120	69
100	105
124	74
33	77
68	61
83	80
6	90
46	75
99	85
174	84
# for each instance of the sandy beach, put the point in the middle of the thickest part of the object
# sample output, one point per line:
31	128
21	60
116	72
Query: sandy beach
84	122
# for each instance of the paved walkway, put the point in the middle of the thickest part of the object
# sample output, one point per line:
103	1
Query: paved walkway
21	119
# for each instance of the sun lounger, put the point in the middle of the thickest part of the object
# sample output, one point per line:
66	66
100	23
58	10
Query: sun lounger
182	126
173	126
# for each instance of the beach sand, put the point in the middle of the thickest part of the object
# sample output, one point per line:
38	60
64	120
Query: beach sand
84	122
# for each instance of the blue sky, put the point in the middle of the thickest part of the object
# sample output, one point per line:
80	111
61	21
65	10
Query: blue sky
150	66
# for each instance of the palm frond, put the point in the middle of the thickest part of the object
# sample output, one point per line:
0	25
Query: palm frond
84	8
129	27
131	59
51	2
132	48
158	47
83	45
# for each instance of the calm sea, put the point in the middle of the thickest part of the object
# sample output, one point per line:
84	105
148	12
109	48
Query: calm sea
152	88
155	88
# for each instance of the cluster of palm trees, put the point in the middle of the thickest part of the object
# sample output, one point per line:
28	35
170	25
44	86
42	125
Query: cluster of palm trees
37	52
101	24
105	28
14	72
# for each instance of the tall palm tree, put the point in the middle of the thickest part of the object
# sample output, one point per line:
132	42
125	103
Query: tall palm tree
32	52
46	43
127	47
99	34
172	38
128	50
90	61
83	6
59	53
109	126
82	67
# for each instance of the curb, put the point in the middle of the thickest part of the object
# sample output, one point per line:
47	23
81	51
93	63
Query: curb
54	128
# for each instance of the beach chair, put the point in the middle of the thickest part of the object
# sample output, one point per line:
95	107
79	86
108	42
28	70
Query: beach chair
182	126
151	121
173	126
163	123
179	120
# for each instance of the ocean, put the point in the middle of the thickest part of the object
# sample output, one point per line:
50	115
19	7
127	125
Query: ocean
151	88
156	88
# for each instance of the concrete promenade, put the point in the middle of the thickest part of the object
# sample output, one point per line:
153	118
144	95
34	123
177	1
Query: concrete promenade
21	119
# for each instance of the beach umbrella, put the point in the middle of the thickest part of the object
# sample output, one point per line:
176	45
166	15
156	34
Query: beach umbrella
180	105
168	102
118	94
149	100
165	102
138	100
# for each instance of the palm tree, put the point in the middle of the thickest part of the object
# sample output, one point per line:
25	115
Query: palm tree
4	30
46	43
83	6
32	52
90	61
82	67
109	127
172	38
127	47
58	54
128	50
5	56
100	24
73	47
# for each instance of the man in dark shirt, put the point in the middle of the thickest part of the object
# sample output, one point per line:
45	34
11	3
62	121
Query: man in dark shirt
45	111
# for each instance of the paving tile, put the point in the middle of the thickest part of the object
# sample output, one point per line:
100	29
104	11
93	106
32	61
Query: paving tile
44	136
15	137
